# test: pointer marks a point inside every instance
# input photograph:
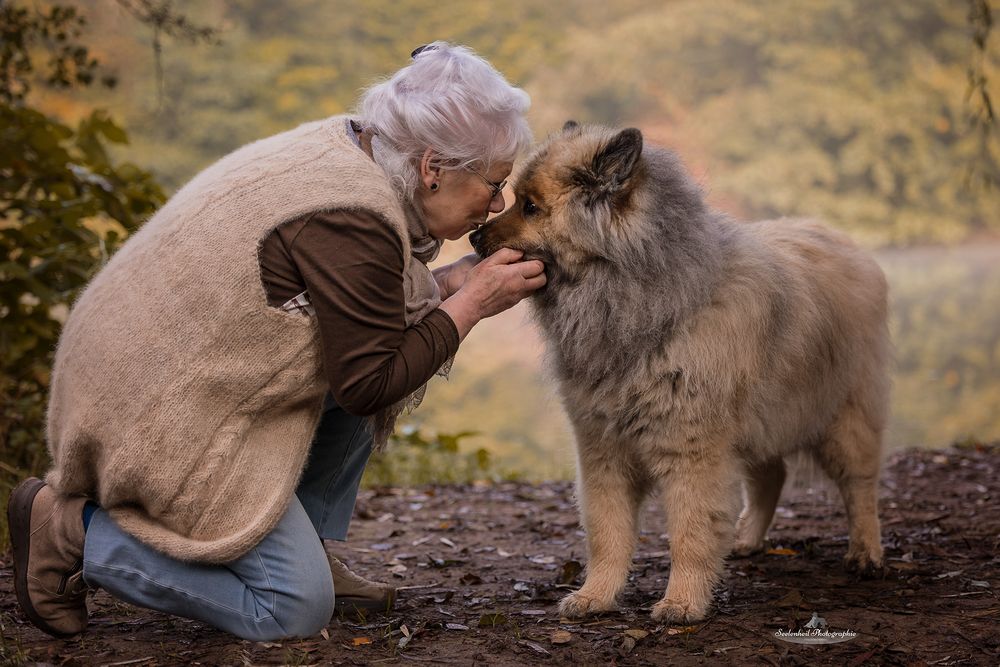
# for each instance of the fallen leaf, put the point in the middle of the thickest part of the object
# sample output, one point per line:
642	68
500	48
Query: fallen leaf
783	552
532	612
405	630
686	630
403	641
325	634
470	579
627	645
445	540
359	641
456	626
537	648
636	633
542	559
504	554
522	587
561	637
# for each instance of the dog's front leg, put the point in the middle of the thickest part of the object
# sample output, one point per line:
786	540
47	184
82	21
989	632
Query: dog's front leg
701	494
609	499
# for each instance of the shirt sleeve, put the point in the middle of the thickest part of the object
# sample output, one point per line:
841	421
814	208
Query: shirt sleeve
352	265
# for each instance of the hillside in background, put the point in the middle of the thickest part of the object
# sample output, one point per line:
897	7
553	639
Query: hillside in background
851	111
848	110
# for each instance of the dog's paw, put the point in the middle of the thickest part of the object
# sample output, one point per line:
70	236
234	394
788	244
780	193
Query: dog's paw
864	562
743	549
864	567
675	612
578	605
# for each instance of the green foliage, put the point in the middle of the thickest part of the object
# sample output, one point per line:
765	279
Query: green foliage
984	170
412	457
64	207
56	31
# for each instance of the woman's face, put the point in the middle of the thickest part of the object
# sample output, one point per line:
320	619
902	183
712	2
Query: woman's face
462	200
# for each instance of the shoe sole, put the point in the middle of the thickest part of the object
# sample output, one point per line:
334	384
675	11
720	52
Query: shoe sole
19	522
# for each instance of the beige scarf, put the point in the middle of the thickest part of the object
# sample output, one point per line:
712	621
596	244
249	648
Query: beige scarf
422	296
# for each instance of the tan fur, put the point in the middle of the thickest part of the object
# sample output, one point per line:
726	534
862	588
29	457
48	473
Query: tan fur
693	353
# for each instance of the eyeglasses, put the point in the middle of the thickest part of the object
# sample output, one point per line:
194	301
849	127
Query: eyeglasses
495	188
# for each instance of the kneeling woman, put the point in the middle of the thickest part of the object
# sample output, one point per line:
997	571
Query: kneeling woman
219	385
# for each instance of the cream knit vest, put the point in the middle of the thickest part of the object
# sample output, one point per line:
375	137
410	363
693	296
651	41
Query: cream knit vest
180	400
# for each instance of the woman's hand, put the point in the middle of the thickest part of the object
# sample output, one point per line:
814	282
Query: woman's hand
492	286
451	277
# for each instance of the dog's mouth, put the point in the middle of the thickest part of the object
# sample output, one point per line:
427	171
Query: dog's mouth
478	241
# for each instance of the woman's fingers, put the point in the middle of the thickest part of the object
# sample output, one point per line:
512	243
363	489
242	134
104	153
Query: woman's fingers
537	282
531	268
504	256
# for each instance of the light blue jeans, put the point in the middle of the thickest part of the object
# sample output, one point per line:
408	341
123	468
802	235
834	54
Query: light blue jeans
280	588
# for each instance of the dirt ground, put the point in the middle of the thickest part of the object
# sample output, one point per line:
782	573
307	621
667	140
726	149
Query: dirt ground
483	567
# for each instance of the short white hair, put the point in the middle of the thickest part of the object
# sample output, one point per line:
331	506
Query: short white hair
448	100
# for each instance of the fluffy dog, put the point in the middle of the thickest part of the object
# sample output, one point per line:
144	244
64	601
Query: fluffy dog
693	354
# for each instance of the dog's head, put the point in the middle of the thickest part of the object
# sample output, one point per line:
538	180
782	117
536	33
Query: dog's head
574	199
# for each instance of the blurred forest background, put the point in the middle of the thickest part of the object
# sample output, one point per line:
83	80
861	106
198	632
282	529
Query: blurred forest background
874	116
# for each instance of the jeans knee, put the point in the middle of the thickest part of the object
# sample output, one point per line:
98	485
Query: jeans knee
305	614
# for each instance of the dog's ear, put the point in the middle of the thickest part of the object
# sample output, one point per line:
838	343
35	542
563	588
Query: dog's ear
612	166
570	125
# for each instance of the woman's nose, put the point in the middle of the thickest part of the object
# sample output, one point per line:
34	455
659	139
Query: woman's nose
497	204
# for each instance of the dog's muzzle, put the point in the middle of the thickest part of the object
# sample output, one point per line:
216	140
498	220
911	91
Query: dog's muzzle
476	239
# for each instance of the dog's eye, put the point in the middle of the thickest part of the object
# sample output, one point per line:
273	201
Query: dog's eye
529	207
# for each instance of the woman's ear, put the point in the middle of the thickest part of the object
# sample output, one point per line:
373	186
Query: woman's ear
430	173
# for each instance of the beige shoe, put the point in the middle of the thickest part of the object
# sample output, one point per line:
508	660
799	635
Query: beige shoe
353	592
46	533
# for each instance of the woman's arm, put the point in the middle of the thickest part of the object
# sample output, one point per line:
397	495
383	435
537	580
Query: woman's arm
452	276
352	266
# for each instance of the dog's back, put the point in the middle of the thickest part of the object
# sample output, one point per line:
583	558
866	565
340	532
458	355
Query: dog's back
798	327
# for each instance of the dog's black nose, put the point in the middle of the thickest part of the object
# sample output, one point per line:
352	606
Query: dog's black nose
476	238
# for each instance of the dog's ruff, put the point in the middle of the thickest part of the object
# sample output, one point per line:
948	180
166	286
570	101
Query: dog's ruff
693	353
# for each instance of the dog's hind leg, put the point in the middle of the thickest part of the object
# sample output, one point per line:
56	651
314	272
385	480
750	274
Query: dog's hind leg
851	456
762	489
701	496
609	497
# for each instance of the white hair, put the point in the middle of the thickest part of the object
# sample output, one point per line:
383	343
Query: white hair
448	100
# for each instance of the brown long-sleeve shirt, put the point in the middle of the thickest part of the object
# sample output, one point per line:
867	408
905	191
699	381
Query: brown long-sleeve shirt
351	263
